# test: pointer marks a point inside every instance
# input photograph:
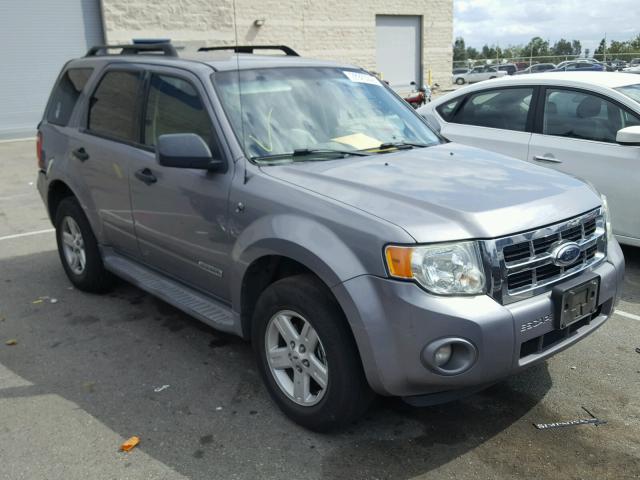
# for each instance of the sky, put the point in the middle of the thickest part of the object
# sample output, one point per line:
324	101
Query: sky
505	22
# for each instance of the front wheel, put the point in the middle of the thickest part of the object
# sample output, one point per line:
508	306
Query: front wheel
459	81
307	356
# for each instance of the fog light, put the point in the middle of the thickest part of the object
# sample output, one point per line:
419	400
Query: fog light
443	355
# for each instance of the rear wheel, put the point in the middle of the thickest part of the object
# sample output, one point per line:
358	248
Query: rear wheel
78	248
307	355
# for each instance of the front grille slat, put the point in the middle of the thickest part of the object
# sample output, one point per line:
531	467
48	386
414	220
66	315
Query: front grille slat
526	262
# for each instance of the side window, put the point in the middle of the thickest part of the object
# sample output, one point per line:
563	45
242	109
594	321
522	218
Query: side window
66	94
506	109
446	109
174	106
113	108
574	114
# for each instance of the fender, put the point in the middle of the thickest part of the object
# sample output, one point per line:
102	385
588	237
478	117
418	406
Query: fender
298	238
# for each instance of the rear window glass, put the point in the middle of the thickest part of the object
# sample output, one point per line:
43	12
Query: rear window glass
66	94
113	107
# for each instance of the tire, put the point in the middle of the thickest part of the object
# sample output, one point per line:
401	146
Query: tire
459	81
491	78
347	394
90	275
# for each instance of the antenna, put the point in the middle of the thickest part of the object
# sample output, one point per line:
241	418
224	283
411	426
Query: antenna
235	28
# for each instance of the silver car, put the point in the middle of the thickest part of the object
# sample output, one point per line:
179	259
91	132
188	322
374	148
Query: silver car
478	74
303	206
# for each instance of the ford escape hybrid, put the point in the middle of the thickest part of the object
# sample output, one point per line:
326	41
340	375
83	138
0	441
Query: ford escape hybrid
302	205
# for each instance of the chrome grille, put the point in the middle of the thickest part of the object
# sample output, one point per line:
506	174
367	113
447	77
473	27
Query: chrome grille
522	265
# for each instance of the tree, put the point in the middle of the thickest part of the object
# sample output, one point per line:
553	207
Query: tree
601	50
472	53
562	48
459	50
577	47
537	47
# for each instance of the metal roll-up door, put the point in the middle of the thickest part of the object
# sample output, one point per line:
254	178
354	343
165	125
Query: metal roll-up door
399	49
37	38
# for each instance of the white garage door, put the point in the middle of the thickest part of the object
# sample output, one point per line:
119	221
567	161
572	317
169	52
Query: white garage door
37	38
398	49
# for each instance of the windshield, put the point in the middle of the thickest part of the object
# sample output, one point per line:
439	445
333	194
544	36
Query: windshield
631	91
278	111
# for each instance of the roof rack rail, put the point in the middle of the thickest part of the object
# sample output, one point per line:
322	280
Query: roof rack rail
250	48
166	48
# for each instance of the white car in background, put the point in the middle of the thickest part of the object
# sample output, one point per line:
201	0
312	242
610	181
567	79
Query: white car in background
478	74
586	124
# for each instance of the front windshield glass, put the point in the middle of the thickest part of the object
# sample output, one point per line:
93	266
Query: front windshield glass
278	111
631	91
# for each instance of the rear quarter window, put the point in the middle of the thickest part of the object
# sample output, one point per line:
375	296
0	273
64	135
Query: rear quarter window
446	110
65	95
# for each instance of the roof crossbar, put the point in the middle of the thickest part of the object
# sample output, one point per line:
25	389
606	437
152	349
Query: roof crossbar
134	49
250	48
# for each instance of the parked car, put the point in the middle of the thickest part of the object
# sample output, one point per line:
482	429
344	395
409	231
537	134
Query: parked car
537	68
635	69
358	250
580	67
635	62
586	125
478	74
580	60
457	71
510	68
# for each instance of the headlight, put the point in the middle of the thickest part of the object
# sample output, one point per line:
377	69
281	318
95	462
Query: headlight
607	217
444	269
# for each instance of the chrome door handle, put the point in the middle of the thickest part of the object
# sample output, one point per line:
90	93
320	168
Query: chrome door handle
542	158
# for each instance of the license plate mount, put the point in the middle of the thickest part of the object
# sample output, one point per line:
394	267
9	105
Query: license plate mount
576	300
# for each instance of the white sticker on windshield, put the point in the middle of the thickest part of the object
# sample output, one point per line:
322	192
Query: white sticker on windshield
360	77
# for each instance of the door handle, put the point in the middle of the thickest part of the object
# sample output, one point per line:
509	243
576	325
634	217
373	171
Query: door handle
145	175
543	158
81	154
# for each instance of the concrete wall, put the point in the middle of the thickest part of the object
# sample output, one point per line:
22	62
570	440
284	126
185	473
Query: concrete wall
342	30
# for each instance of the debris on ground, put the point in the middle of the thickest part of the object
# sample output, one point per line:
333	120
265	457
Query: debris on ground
159	389
581	421
637	349
218	408
54	300
11	342
39	300
570	423
573	368
130	444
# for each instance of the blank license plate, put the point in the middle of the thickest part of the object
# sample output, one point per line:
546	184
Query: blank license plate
578	302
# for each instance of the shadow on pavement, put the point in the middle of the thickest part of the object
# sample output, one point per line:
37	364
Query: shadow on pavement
108	353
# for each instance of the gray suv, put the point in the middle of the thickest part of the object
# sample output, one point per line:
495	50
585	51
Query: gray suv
304	206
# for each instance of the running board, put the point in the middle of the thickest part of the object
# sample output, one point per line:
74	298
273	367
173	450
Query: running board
190	301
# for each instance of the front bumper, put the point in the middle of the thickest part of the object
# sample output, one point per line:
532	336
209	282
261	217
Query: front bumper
393	321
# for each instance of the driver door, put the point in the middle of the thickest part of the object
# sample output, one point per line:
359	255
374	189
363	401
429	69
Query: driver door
180	214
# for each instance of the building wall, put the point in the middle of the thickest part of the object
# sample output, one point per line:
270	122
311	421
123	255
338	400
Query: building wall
341	30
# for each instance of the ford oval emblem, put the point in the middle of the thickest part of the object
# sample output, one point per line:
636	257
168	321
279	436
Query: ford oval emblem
566	254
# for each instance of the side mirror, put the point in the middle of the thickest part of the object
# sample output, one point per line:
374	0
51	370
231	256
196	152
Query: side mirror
629	136
186	150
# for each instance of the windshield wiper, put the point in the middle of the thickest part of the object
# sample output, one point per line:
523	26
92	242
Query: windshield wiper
301	152
401	145
304	152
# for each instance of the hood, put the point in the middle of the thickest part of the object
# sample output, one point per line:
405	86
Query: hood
446	192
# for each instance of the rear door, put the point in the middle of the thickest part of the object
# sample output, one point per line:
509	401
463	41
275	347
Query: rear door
181	217
496	119
576	134
103	150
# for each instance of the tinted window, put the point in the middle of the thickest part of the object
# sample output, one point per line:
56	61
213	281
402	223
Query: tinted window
506	109
113	106
66	94
569	113
446	109
174	106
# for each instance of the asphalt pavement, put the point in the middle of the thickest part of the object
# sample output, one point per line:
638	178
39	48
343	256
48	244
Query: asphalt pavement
87	372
